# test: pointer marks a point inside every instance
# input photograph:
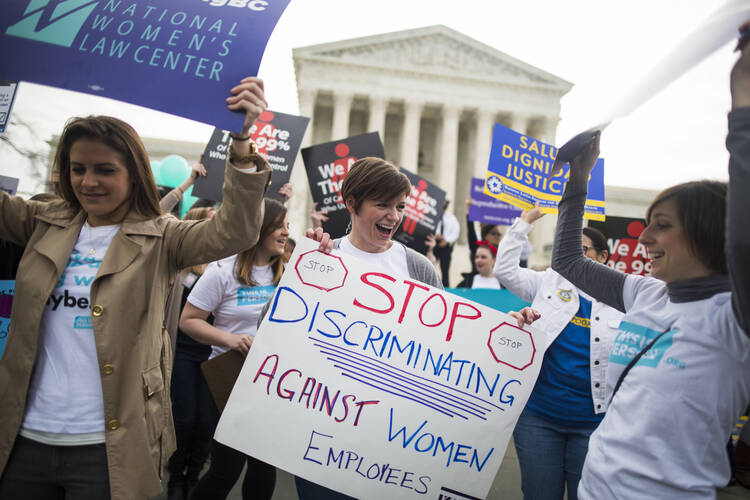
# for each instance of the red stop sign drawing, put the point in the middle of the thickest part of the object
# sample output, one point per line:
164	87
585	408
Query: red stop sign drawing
321	270
512	346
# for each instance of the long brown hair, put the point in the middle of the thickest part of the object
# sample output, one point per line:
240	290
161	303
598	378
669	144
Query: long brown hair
273	219
122	138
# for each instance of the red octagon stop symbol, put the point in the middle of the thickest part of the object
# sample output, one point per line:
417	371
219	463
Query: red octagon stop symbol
321	270
512	346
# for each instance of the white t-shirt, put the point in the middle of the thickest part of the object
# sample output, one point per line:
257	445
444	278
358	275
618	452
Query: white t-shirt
235	306
482	282
394	258
65	394
665	434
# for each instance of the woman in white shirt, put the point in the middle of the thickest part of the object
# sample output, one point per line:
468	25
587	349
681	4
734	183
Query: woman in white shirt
235	290
568	400
484	261
374	192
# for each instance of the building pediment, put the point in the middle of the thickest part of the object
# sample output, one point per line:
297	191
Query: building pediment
435	50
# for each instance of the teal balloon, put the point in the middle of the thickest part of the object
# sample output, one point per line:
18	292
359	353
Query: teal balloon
187	201
173	170
155	169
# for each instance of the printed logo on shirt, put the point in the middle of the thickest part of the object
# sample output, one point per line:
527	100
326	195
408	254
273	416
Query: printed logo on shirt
82	323
78	259
67	300
255	295
582	322
632	338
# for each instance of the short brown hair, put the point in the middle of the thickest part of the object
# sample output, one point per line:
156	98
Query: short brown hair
702	209
373	178
122	138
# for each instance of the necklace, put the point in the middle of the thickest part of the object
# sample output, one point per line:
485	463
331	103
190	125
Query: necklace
98	240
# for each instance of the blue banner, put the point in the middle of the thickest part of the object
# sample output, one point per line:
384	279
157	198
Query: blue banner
177	56
488	210
518	174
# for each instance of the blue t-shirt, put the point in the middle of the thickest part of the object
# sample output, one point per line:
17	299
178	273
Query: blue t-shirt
562	393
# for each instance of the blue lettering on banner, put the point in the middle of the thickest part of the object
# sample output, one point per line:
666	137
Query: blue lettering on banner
632	338
119	48
255	295
321	452
82	323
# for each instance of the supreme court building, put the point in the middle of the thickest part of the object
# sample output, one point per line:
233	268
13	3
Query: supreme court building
432	93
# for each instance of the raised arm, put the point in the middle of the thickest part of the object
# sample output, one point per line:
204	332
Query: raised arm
237	223
172	198
521	282
738	203
599	281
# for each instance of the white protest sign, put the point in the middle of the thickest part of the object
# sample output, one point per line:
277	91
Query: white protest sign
379	386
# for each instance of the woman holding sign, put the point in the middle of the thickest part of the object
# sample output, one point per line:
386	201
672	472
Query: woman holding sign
374	192
235	290
679	371
84	404
568	400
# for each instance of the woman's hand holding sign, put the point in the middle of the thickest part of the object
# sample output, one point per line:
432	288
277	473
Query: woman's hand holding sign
583	163
248	95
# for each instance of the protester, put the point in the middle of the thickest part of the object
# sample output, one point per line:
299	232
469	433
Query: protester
374	192
568	400
484	261
490	233
446	234
235	290
679	371
190	395
84	412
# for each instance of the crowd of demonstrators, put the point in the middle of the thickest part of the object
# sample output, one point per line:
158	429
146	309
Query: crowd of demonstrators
569	399
446	235
85	411
675	399
235	290
190	394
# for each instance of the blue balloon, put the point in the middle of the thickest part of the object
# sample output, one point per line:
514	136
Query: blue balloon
187	201
173	170
155	169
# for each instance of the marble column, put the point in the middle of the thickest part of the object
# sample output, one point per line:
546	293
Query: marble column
485	122
549	129
519	122
446	178
410	135
376	120
342	106
301	203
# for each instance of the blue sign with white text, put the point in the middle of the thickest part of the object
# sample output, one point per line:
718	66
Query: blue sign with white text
518	173
177	56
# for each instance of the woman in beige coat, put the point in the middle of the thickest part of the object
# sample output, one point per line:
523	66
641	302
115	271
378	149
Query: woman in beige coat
84	403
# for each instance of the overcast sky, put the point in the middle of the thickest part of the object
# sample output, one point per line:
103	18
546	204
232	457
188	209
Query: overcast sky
600	46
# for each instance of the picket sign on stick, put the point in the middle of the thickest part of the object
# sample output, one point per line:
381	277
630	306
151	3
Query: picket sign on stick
720	27
379	386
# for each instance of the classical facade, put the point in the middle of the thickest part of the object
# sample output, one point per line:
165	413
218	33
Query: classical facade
432	93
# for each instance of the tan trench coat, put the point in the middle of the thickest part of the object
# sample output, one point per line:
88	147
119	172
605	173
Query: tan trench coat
127	301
